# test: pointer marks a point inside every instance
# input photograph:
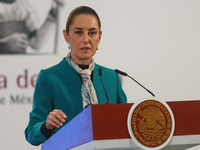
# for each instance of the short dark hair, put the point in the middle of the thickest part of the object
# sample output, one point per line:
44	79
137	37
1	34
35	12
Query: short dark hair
81	10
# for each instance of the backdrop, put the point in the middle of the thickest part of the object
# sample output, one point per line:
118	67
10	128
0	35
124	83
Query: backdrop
155	42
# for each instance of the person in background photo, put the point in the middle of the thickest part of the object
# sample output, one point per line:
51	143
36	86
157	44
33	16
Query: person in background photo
67	88
18	26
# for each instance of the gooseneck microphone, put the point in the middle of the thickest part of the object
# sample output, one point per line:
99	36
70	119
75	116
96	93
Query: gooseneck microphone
125	74
100	74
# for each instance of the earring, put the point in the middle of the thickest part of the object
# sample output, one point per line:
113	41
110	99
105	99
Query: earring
69	46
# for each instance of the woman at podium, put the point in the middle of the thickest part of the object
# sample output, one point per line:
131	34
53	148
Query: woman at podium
65	89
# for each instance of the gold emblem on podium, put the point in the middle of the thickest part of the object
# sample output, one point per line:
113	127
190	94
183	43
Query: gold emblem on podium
151	124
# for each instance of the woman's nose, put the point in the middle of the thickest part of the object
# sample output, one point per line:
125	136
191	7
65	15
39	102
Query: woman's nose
85	38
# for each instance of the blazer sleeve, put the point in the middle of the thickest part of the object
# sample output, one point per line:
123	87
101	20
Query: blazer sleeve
121	96
42	105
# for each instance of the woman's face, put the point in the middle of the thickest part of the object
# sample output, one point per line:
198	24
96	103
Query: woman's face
83	38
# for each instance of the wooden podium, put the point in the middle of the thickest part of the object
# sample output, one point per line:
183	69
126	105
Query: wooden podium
104	126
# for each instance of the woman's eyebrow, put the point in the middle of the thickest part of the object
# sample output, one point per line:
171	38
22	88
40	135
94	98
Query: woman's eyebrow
92	28
79	28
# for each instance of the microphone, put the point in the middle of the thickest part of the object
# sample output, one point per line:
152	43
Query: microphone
100	74
125	74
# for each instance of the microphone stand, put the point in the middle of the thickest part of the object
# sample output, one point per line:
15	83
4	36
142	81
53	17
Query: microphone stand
125	74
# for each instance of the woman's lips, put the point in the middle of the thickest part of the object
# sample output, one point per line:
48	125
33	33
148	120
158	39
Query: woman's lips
85	48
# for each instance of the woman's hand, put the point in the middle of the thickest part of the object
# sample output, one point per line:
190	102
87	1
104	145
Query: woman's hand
55	119
15	43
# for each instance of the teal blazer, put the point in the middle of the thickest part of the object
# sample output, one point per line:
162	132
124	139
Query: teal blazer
59	87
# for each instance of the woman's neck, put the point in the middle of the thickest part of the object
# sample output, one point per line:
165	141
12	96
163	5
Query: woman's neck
83	66
81	61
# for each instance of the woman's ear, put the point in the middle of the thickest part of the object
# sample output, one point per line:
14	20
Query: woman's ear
66	36
100	34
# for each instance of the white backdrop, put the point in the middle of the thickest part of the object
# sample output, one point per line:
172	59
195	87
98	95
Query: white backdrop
155	42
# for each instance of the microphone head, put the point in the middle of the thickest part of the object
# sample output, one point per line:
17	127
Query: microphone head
120	72
100	72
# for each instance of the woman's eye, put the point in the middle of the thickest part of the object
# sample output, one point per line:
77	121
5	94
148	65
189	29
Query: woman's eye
92	33
78	32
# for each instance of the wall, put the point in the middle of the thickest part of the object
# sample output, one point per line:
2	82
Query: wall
155	42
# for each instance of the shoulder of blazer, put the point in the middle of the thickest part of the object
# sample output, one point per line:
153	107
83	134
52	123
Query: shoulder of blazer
104	69
62	64
61	67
